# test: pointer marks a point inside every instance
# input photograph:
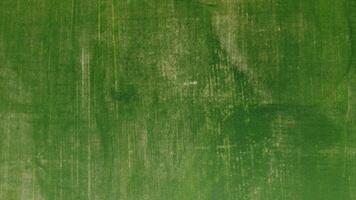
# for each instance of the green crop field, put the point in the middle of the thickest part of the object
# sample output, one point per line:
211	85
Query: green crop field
177	99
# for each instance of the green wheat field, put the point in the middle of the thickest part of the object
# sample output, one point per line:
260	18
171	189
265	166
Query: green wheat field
177	99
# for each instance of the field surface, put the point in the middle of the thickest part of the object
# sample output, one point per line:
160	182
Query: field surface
177	100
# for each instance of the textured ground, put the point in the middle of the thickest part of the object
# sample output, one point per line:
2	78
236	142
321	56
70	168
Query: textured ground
177	99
